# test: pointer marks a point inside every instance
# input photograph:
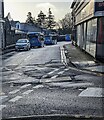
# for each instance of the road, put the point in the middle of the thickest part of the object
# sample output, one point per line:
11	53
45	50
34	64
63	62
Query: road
36	82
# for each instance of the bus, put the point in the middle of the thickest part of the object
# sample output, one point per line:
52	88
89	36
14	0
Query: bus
50	39
36	39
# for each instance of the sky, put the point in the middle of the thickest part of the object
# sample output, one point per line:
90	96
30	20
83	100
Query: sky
19	8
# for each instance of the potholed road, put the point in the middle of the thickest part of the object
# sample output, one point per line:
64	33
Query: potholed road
35	82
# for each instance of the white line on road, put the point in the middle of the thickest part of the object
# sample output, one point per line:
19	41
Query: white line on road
15	99
2	106
53	71
55	76
70	84
62	67
2	97
24	86
61	72
39	86
27	92
63	57
14	91
66	69
44	76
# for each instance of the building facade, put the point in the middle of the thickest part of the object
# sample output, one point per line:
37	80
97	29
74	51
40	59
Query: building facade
88	26
25	27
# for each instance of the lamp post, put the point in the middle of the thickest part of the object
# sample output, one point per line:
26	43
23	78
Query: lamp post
2	42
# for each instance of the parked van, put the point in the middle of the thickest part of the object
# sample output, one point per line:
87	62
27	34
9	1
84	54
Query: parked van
36	39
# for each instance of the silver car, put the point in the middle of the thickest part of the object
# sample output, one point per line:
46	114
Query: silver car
22	44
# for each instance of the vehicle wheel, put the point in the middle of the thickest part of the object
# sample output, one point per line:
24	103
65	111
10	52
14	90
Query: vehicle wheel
17	50
39	46
54	42
27	49
43	45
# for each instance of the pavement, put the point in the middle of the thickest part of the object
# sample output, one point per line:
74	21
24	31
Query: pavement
82	60
8	49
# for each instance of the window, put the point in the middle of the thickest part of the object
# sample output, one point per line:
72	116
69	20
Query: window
100	39
91	36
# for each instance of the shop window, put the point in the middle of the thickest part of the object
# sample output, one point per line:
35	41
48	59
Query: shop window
100	39
78	35
91	36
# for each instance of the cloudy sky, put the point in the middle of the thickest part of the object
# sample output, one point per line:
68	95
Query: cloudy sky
20	8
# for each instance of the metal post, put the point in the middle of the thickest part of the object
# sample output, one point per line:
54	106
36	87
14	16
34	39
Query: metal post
2	42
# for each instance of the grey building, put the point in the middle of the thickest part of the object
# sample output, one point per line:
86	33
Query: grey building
88	26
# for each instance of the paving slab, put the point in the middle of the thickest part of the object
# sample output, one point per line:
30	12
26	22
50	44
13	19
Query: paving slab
97	80
99	68
85	64
92	92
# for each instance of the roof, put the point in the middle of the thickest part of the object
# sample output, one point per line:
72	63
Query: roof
13	23
35	33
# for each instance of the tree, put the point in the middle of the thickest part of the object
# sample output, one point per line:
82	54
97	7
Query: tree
50	20
41	20
66	24
30	19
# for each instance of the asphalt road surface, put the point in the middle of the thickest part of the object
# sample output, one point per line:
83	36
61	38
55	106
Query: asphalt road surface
35	82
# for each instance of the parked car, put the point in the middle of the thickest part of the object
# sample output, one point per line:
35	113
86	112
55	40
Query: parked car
50	40
22	44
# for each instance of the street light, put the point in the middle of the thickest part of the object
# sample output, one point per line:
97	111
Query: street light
2	43
1	34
